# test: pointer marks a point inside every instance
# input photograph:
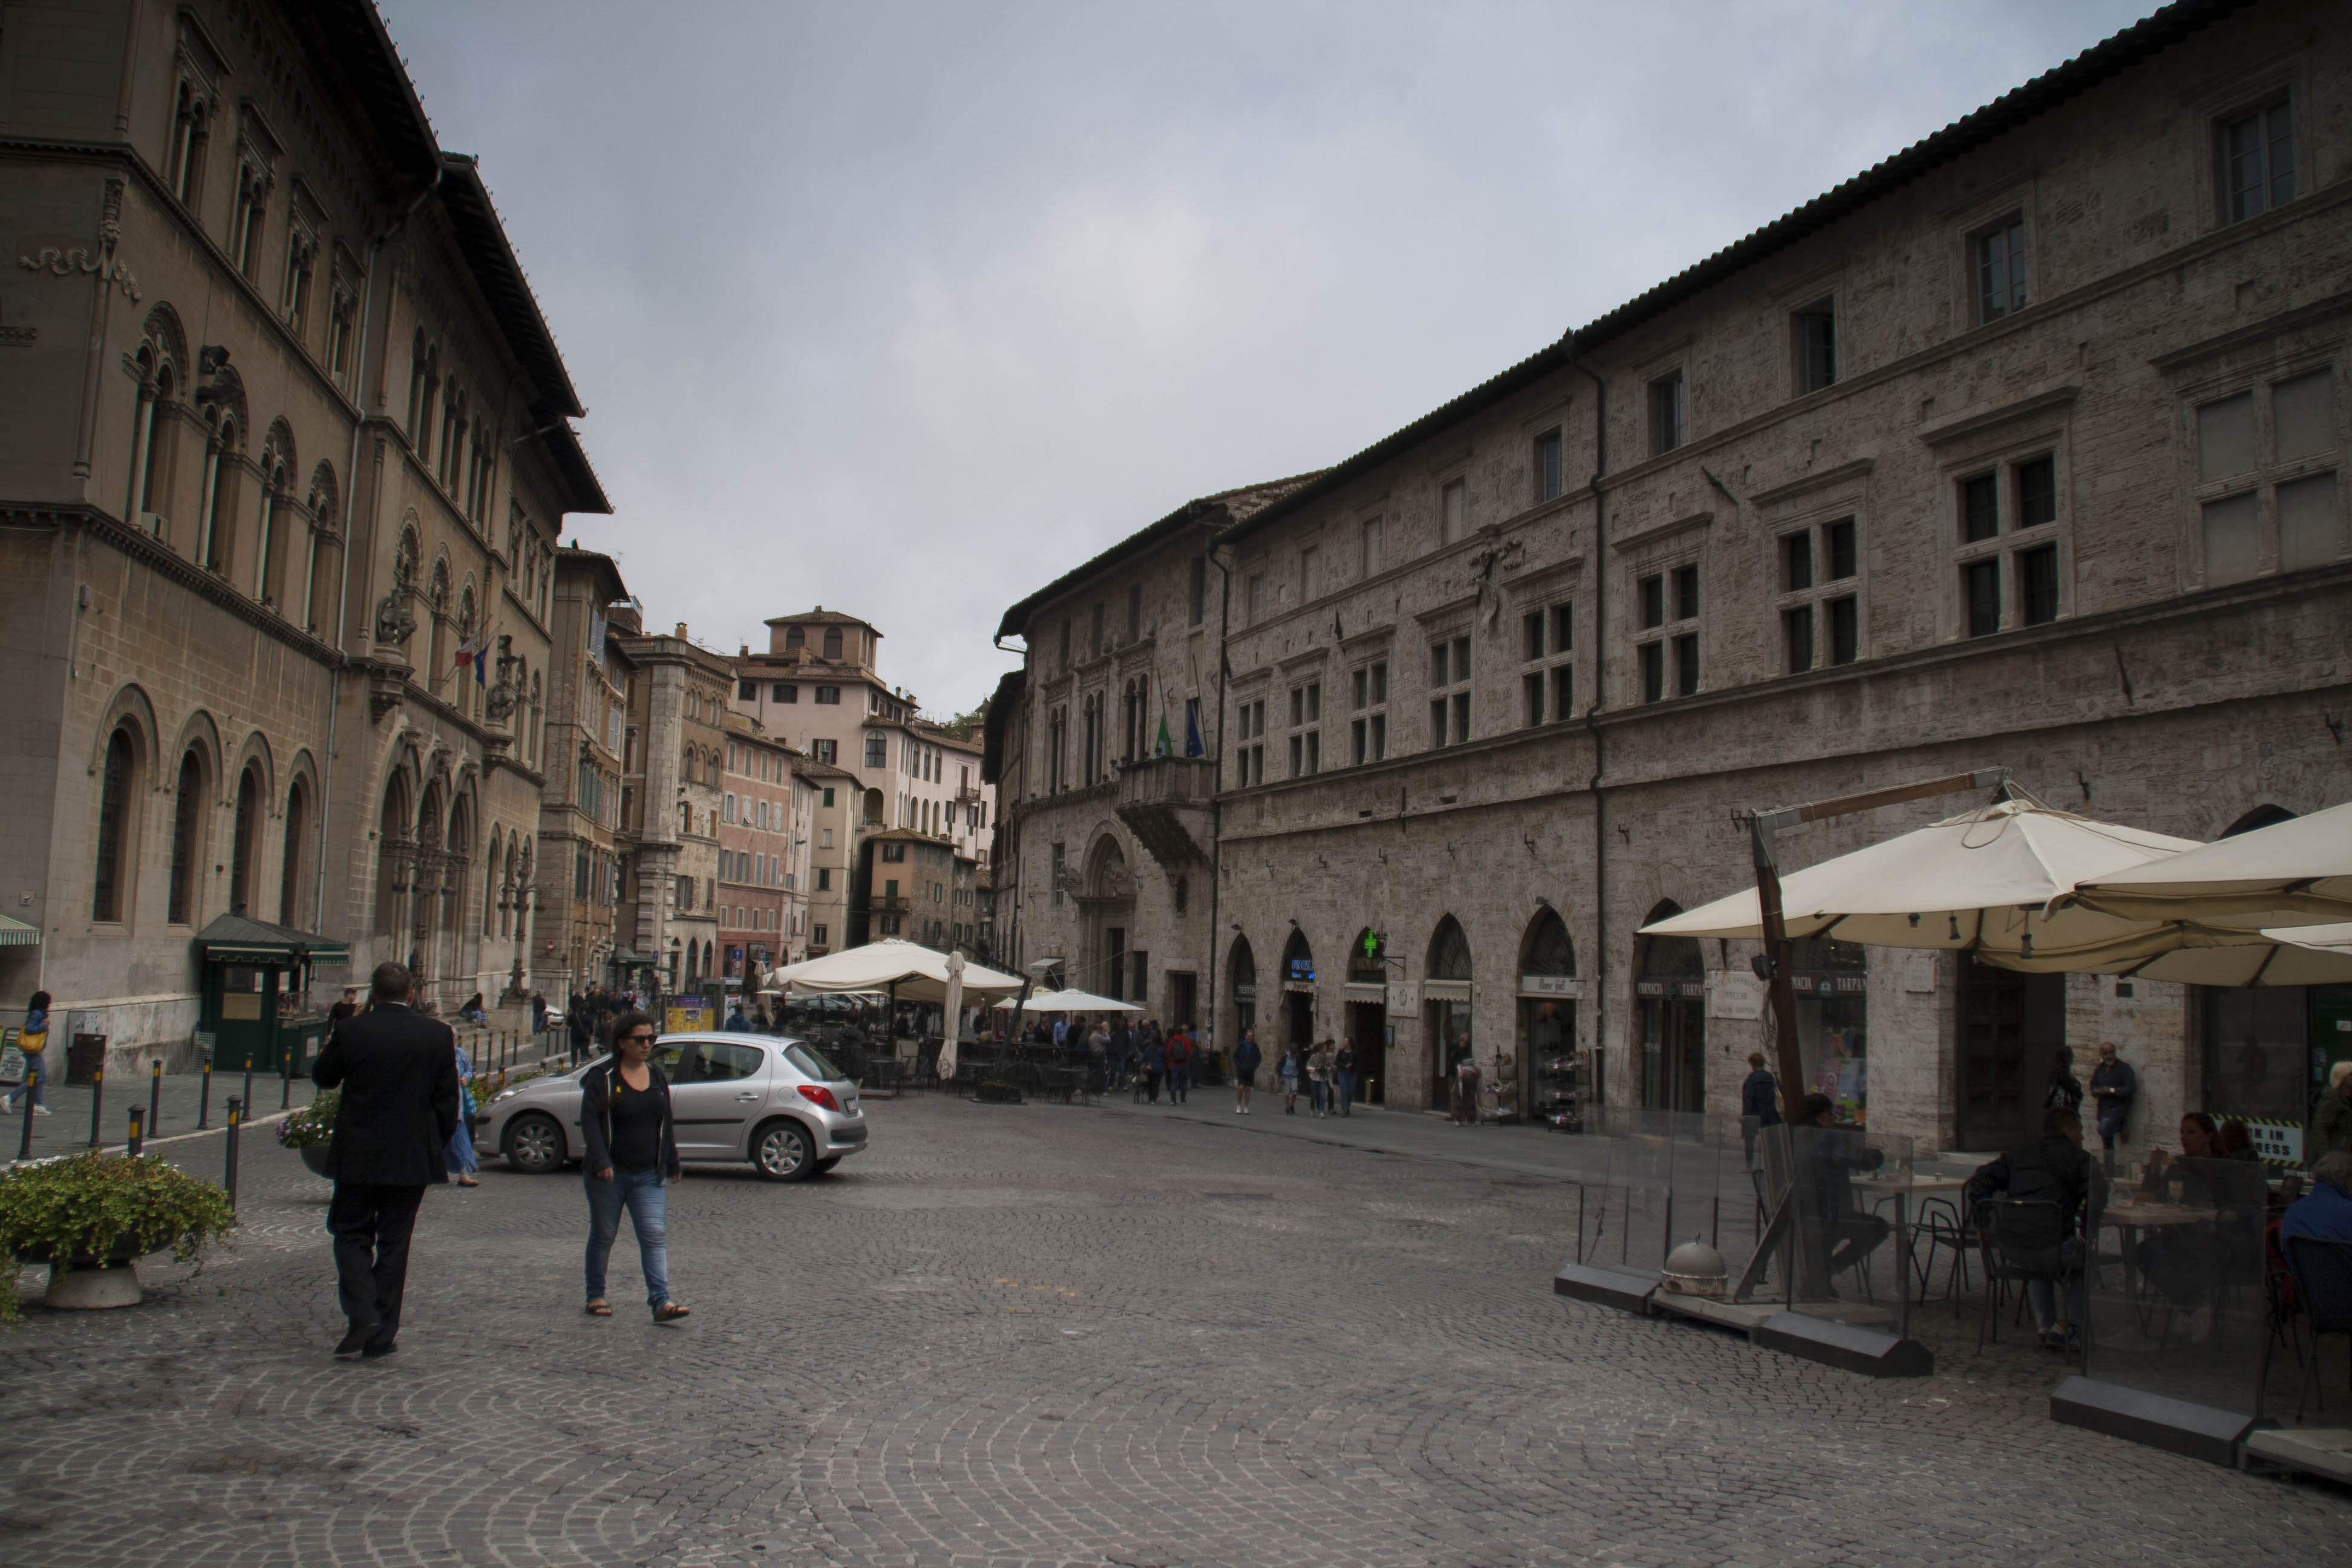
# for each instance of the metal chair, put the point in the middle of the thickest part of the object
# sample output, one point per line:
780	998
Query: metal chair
2322	1272
2018	1241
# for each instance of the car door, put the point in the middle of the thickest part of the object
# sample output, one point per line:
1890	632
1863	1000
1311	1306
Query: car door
722	1087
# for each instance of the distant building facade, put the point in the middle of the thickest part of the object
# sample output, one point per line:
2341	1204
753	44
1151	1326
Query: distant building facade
582	809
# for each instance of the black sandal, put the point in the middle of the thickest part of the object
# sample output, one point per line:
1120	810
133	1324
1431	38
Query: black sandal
600	1308
670	1312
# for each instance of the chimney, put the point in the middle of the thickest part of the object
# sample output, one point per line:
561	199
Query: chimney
681	631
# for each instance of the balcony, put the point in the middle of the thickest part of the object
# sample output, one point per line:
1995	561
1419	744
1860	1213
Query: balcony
1164	801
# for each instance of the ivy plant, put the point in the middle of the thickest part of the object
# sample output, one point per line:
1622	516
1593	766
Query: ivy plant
314	1123
58	1210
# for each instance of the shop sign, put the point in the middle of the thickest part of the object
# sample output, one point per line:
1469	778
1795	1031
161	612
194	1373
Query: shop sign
1299	987
1549	985
1245	993
1735	996
1671	990
1830	985
2276	1143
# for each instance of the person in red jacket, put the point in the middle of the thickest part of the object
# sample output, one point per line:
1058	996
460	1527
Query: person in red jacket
1179	1065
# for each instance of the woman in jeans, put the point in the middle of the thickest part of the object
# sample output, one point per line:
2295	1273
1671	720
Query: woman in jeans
632	1150
32	1043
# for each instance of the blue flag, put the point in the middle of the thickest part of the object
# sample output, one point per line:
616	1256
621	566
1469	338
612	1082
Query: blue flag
1193	747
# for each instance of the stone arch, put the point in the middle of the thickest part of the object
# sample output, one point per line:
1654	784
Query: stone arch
120	767
199	732
323	500
297	810
254	751
493	869
2268	814
278	445
1107	874
130	704
395	850
1547	949
1449	951
248	818
1657	957
163	331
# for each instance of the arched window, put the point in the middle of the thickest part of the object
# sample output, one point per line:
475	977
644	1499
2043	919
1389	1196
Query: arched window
185	169
117	779
537	735
320	548
437	599
832	642
245	843
270	558
290	874
1449	951
494	903
187	839
420	393
162	350
219	505
1547	951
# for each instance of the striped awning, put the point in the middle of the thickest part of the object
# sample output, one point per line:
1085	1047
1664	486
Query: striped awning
16	933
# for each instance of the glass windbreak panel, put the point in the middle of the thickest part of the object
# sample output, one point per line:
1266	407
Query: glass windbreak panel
1848	1194
2173	1283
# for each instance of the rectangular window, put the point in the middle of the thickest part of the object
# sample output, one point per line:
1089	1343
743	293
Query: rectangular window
1797	627
1998	254
746	691
1531	629
1814	331
1531	699
1310	576
827	751
1563	627
828	797
824	878
2037	584
1653	671
1846	630
1797	561
828	696
1653	602
1437	722
1372	541
2037	493
878	751
817	936
1666	413
1546	466
2302	416
1197	597
2233	540
783	691
1687	663
1843	559
1452	511
1980	593
1563	691
1256	602
1295	745
1461	717
2257	161
1685	593
1979	508
2307	521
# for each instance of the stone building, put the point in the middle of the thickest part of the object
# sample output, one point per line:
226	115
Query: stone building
2022	448
904	890
1104	843
677	741
580	816
764	852
835	804
286	453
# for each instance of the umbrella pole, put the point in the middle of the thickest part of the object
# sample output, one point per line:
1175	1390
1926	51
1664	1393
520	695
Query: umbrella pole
1776	949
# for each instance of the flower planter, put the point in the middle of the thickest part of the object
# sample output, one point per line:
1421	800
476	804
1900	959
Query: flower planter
314	1157
89	1283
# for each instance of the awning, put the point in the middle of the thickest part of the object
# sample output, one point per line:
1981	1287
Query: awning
1445	990
1371	990
16	933
240	939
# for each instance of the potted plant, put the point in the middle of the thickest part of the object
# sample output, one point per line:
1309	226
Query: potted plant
88	1217
311	1130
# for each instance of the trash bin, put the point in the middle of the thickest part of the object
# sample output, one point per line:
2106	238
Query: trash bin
85	1059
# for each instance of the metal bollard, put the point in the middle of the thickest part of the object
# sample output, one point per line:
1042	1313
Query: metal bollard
154	1094
228	1177
286	1081
137	1130
24	1138
97	1104
248	1100
205	1100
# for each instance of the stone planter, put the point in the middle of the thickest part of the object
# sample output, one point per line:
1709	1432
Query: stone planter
314	1157
90	1283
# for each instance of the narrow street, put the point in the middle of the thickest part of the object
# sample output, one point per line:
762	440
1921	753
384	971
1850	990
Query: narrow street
1038	1334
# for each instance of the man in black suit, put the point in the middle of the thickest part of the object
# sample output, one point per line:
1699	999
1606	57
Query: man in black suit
398	1072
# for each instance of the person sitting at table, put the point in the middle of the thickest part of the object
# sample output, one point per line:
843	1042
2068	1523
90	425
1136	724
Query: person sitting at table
2197	1137
2324	1213
2233	1142
2046	1243
1827	1157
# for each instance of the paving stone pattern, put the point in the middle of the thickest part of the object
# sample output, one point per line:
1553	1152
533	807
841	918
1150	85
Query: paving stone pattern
1038	1335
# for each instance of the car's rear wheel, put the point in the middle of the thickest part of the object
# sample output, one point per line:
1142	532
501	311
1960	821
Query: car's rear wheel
781	1152
533	1144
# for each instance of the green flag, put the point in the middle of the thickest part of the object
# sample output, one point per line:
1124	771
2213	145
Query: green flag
1161	747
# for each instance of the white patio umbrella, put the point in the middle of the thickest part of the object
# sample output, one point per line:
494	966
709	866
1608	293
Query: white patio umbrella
950	1025
1993	882
908	971
2290	873
1076	1002
2277	955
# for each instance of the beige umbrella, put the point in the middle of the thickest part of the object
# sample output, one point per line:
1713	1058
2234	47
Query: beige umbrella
1076	1002
2277	955
1994	882
950	1023
906	969
2291	873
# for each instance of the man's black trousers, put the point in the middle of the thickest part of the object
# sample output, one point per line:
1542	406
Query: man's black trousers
372	1224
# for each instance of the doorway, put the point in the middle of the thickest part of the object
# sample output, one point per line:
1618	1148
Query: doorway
1368	1025
1298	1019
2010	1028
1671	984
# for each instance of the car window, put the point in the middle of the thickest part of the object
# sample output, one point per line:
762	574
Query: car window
722	1061
676	1059
813	1064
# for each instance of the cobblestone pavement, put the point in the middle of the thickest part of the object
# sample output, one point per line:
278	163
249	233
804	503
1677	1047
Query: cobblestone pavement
1039	1335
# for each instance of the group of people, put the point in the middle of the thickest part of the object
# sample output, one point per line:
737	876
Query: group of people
1328	1067
400	1076
1118	1054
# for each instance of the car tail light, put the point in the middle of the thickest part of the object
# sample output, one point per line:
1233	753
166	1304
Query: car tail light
817	1094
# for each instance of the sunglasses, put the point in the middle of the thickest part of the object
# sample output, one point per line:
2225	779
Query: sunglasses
639	1039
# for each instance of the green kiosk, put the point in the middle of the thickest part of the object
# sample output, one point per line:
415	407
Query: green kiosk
257	995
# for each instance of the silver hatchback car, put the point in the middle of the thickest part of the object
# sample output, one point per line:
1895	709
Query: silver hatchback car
777	1103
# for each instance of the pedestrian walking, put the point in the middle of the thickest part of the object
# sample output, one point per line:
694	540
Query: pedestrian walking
347	1009
397	1070
1343	1074
1181	1052
1155	1067
459	1156
538	1013
1287	1070
582	1030
1466	1084
2113	1085
1320	1068
1246	1057
1760	1104
624	1119
2065	1090
33	1041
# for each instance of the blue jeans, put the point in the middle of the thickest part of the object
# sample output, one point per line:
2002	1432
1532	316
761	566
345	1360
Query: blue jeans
36	1075
1347	1090
639	1192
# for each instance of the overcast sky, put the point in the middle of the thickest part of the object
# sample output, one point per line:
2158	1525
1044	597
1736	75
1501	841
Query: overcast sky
905	309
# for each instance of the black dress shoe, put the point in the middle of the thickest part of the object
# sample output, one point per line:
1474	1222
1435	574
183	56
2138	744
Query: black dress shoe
356	1340
377	1352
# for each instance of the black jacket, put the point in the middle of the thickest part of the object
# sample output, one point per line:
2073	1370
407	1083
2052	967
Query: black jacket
398	1072
1760	1097
596	1116
2052	1171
